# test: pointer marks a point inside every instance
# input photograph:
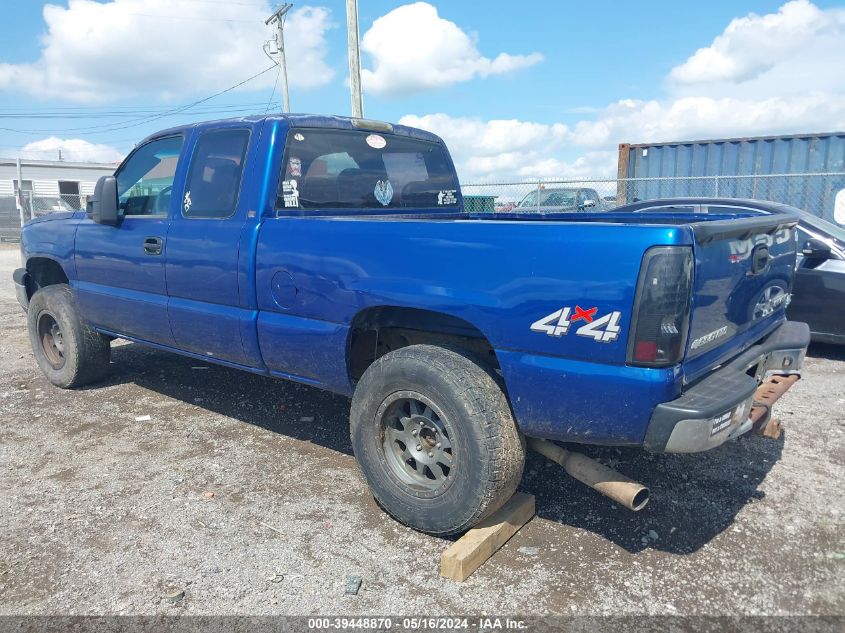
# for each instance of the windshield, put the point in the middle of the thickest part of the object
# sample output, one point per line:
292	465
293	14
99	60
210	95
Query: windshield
352	169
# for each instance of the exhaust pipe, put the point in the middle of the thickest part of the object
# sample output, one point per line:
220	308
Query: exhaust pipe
607	481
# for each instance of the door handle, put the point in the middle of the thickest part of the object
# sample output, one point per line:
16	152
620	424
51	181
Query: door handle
153	245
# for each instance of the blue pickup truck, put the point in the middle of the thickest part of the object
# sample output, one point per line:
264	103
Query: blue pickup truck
336	252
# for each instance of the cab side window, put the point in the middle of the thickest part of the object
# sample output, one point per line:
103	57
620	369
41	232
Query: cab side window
144	182
214	178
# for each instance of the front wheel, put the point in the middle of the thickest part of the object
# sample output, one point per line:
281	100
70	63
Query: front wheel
434	436
70	353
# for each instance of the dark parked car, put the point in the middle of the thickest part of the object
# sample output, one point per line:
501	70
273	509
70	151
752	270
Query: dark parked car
818	296
818	292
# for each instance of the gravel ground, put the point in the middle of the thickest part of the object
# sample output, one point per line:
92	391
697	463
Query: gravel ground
232	495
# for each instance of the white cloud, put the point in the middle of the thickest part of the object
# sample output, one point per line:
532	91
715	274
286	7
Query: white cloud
72	149
489	138
529	165
414	49
779	73
753	45
691	118
95	52
506	149
485	151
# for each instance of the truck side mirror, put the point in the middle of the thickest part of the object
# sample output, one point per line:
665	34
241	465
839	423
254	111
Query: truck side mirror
816	249
102	206
588	204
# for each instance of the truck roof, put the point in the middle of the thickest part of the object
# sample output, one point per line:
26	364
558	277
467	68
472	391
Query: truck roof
312	121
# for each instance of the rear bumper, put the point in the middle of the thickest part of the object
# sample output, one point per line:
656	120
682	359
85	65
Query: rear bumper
716	408
21	278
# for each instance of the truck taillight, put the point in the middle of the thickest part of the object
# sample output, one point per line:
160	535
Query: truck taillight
661	307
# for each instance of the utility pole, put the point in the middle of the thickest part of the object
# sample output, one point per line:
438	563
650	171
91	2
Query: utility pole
354	58
278	18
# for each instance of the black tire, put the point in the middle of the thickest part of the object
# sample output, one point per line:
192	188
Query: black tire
69	352
466	409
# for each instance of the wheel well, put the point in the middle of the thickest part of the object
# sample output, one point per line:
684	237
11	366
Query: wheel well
44	272
377	331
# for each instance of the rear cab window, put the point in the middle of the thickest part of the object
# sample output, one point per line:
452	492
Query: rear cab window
357	169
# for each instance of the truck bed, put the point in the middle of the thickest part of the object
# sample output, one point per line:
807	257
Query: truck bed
497	274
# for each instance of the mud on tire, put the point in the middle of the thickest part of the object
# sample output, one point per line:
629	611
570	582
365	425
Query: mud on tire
70	353
435	438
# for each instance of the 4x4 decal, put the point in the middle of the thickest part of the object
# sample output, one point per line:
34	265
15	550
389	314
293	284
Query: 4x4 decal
604	329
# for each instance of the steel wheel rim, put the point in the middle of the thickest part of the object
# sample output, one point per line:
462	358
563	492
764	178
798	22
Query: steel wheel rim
52	340
416	441
763	307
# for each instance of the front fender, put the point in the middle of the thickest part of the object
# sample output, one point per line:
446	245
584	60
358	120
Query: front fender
54	240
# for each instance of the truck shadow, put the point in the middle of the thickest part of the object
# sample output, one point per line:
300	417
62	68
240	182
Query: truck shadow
694	497
827	351
276	405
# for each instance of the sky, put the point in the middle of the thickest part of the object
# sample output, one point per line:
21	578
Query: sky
517	90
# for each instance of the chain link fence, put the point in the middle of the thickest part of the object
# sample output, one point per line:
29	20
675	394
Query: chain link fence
18	209
822	194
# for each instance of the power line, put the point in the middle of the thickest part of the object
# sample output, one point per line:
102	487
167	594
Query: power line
99	129
128	113
188	17
117	109
273	92
135	139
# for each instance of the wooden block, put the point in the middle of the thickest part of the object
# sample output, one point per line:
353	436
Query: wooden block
470	551
773	429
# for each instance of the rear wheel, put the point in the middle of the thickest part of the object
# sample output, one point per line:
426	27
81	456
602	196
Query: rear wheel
434	436
70	353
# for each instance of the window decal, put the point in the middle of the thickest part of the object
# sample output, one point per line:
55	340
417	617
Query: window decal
376	142
447	196
295	167
383	192
290	193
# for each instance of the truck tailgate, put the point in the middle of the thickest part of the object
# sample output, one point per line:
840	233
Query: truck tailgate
743	277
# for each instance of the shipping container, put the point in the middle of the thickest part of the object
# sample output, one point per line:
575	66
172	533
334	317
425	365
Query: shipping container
803	170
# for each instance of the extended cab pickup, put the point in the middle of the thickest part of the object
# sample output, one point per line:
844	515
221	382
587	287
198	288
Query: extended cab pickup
336	252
